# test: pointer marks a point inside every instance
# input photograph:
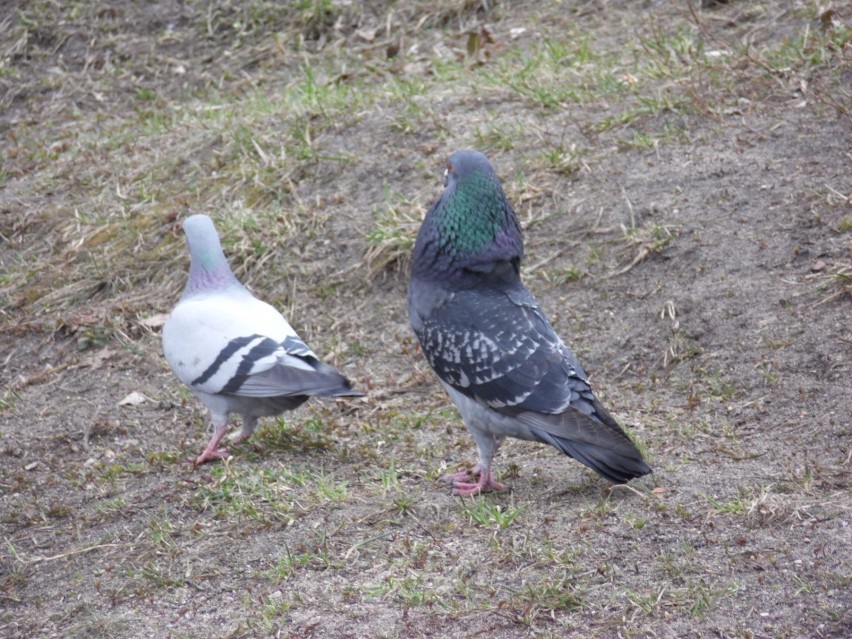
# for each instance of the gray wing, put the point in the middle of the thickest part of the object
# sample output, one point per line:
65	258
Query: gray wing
257	366
496	346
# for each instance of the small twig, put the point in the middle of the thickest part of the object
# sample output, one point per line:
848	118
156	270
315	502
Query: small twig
369	540
641	255
630	208
70	553
634	490
540	263
845	198
620	373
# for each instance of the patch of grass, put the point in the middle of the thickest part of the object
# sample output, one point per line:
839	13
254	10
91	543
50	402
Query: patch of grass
714	384
643	241
703	598
601	510
412	112
670	54
152	577
565	275
540	600
836	284
486	512
499	136
767	505
654	238
844	225
291	562
8	401
733	507
111	472
391	239
389	477
312	434
274	612
268	494
108	506
162	531
549	75
165	457
811	47
564	160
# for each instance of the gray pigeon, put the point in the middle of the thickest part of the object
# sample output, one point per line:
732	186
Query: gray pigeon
237	353
491	345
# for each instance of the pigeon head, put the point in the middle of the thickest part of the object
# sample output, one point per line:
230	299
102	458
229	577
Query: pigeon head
471	226
208	270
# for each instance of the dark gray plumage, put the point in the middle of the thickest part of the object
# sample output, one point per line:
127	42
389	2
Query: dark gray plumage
489	342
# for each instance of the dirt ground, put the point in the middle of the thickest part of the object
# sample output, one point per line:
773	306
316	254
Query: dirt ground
683	177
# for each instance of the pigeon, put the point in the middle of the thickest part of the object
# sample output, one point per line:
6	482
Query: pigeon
490	343
235	352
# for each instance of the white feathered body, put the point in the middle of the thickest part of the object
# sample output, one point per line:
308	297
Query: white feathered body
235	352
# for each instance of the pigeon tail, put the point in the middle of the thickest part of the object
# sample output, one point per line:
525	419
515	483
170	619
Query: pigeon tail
611	465
605	448
329	382
321	380
344	389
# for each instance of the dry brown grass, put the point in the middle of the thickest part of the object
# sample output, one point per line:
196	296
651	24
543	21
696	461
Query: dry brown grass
680	175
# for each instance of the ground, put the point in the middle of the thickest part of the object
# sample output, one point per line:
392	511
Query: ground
682	175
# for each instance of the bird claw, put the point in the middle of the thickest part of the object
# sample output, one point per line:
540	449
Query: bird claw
454	478
463	476
463	486
209	455
463	489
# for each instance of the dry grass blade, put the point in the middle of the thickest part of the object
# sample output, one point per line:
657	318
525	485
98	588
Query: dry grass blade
313	132
647	240
837	282
390	242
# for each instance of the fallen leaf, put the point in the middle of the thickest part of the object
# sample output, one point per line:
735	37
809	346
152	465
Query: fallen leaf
97	359
155	321
133	399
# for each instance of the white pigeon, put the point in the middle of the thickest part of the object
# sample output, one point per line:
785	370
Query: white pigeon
237	353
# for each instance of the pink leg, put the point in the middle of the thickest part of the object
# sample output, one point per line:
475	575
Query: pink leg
485	484
220	427
487	445
463	476
213	451
249	424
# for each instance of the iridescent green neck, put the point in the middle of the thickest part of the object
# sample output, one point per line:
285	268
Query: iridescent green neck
474	216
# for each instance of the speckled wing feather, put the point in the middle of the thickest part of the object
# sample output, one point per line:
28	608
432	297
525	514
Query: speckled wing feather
494	344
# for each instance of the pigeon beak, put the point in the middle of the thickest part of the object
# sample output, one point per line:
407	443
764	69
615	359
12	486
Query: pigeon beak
446	176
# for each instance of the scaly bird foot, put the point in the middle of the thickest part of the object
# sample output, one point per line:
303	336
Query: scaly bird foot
485	484
210	455
462	476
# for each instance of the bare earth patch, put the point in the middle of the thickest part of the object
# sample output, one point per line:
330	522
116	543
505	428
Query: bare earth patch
683	177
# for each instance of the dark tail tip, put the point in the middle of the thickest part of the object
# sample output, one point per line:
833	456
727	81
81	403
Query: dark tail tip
617	467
